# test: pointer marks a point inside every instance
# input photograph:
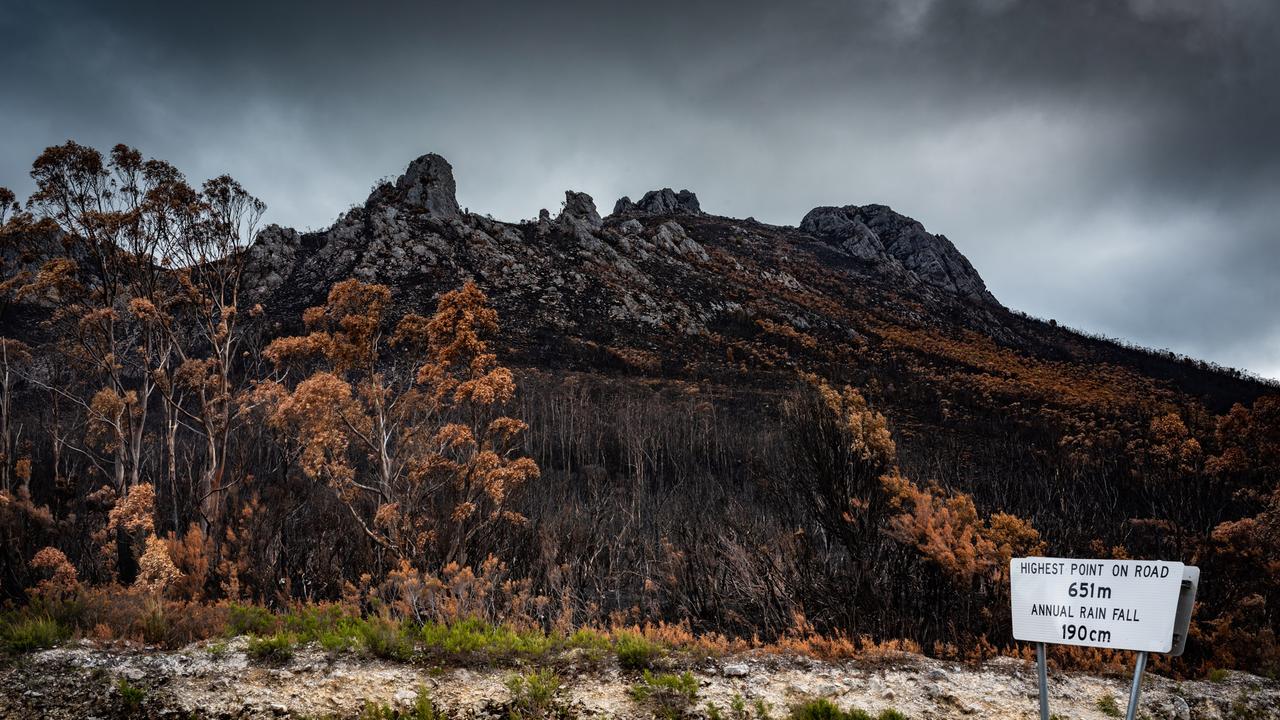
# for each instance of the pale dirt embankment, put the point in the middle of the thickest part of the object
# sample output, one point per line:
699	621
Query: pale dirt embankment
81	681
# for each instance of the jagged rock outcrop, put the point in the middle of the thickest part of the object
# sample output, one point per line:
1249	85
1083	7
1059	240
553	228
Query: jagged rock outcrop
853	235
662	266
580	208
428	184
875	233
271	256
660	202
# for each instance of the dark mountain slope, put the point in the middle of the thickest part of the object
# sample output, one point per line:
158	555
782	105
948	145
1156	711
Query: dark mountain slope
690	468
662	289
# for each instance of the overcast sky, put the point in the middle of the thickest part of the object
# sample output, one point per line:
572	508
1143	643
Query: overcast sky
1113	164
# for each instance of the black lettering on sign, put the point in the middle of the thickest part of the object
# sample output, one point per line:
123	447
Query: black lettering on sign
1124	614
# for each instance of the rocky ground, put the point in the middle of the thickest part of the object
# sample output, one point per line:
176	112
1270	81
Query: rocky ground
219	681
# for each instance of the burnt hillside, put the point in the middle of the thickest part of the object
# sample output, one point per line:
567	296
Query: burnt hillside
734	427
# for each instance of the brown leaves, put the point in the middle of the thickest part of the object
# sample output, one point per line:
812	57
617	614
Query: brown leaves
948	530
135	513
107	410
318	411
867	430
436	464
156	571
461	317
62	580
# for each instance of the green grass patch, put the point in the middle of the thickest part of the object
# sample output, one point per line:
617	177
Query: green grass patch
737	710
343	637
533	695
130	695
827	710
593	642
386	639
250	620
311	622
470	638
666	695
277	648
422	709
636	652
26	633
1107	706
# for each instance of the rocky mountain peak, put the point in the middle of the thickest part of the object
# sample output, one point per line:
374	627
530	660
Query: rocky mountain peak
412	235
580	208
428	184
877	234
660	202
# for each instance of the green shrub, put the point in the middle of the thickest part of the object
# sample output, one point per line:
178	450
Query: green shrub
588	638
311	622
386	639
1107	706
762	709
423	709
469	638
667	695
818	710
377	711
27	633
533	695
737	710
827	710
340	638
1217	675
277	648
636	652
130	695
250	620
217	650
155	627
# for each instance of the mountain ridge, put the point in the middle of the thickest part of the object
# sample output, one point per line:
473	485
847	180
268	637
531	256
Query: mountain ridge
665	267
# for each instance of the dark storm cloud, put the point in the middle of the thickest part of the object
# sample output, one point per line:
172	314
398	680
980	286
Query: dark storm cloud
1114	164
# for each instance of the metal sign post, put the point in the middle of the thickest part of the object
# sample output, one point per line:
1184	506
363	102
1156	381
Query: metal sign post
1139	666
1042	665
1121	604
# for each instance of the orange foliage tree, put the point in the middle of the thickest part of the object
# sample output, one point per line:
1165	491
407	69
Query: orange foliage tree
403	419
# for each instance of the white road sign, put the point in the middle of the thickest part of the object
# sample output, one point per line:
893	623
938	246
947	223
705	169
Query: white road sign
1120	604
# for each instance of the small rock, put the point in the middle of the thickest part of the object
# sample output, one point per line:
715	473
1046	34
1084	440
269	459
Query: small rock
936	675
1181	711
935	691
736	670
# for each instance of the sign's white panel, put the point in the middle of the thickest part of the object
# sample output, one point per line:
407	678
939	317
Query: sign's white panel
1120	604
